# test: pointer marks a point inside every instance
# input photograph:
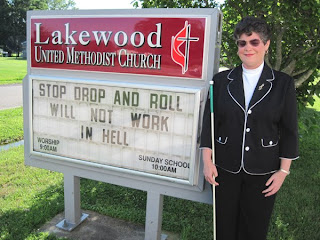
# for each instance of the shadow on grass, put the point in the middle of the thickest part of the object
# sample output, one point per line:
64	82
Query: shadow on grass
15	58
19	224
108	199
114	201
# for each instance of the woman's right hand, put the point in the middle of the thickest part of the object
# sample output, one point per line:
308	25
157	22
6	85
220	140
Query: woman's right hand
209	169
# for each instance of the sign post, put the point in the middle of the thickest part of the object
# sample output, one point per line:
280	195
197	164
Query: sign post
73	214
117	96
154	215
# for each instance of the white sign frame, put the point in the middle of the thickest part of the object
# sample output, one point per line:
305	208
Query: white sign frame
194	164
210	65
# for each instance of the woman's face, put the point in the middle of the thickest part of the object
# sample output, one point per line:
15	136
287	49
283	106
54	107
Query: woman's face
251	50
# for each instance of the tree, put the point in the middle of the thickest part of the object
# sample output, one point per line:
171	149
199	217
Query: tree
175	3
295	45
13	18
4	23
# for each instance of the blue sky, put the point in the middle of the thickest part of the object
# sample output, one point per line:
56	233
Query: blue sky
106	4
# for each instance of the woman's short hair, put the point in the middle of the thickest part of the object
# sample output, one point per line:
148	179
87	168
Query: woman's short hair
252	24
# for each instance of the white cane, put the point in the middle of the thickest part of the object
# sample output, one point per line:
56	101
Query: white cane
213	161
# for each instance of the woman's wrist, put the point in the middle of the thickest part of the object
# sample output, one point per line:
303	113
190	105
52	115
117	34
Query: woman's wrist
285	171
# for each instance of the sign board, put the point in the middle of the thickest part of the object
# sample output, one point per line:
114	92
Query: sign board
132	127
120	93
137	45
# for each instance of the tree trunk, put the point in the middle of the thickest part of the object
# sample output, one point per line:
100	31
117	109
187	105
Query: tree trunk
290	67
280	33
304	77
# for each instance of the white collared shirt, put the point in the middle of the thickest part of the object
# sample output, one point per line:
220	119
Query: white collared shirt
250	79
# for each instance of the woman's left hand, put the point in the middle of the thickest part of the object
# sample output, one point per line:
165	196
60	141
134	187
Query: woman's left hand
276	181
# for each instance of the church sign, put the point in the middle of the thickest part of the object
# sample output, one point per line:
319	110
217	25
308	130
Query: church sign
121	93
172	47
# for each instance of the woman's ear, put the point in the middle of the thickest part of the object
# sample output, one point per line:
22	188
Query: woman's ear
266	46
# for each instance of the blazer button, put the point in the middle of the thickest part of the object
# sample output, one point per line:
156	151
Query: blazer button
248	130
247	149
270	143
249	112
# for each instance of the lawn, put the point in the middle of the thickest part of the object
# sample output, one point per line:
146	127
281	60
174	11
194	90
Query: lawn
29	197
12	70
11	125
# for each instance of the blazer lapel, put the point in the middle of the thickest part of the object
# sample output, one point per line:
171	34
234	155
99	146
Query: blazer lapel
235	87
263	87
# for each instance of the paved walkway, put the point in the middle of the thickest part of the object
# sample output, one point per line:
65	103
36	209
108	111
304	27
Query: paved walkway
10	96
101	227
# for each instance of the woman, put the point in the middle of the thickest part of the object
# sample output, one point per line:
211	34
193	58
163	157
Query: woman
256	136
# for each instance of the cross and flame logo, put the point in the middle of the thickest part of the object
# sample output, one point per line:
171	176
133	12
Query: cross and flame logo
182	37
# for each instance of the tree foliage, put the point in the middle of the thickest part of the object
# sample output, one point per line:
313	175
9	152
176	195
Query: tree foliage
295	44
175	3
13	19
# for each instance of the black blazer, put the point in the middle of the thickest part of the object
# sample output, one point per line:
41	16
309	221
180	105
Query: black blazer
253	139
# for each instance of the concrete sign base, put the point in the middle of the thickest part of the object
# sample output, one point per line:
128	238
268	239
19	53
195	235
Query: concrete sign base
64	225
102	227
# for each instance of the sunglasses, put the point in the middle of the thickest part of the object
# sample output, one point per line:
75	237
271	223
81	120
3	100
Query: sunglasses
243	43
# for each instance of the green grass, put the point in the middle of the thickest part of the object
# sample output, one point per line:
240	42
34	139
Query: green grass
12	70
30	196
11	125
